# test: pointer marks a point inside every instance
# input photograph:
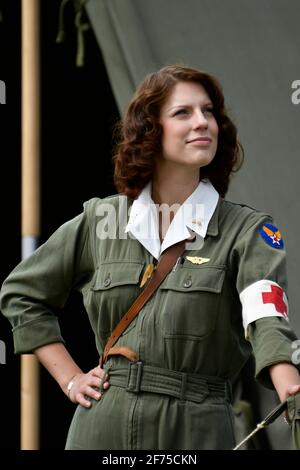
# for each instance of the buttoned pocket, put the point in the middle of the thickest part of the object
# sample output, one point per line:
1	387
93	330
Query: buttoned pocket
191	301
115	288
115	274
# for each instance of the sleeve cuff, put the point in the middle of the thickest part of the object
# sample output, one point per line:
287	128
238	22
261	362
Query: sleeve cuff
34	334
271	340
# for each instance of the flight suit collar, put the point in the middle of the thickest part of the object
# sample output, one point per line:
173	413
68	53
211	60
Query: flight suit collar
213	226
195	217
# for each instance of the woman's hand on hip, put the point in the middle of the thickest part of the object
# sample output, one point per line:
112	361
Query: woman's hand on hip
90	385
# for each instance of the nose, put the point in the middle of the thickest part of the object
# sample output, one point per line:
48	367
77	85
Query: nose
200	121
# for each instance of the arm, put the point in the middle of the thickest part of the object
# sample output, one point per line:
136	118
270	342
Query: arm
34	294
63	369
262	285
286	379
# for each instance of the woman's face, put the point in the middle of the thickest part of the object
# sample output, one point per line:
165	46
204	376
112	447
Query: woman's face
190	130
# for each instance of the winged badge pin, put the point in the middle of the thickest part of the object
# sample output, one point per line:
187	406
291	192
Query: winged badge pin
197	259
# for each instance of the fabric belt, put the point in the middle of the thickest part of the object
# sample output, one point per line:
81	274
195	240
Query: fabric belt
138	377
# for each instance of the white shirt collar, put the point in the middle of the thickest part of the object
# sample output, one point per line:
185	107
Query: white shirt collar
191	219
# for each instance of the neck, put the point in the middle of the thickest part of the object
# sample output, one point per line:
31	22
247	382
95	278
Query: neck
173	186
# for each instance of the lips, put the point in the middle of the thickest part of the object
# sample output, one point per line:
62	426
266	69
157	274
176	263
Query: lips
200	139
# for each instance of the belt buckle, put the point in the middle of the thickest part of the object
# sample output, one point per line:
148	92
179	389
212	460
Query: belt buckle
134	376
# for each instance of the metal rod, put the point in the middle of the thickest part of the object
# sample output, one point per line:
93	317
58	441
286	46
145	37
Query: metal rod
270	418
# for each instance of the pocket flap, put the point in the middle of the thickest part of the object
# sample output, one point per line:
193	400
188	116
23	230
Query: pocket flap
118	273
200	278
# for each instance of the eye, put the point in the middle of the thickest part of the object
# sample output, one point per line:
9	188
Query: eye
182	111
208	110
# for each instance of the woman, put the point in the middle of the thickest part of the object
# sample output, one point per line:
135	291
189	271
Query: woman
223	299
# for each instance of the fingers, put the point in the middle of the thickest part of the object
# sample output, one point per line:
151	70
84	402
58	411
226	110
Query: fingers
106	385
92	393
84	398
292	389
89	386
81	400
97	372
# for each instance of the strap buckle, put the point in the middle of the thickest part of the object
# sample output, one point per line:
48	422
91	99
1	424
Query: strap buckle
134	376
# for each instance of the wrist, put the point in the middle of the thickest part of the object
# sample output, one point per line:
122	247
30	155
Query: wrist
71	383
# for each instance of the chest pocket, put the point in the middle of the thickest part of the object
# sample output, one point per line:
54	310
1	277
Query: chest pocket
191	301
116	287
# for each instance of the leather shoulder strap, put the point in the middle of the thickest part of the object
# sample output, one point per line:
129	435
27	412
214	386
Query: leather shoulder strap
164	266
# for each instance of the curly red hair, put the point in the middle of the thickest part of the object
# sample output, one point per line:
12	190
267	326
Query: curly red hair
140	132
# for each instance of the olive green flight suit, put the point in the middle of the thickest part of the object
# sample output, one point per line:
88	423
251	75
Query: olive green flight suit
189	337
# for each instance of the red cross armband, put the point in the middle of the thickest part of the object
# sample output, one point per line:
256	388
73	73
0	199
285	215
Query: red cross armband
263	299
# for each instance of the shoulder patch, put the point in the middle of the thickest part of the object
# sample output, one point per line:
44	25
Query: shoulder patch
272	236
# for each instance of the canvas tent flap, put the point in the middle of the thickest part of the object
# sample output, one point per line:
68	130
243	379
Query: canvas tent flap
125	49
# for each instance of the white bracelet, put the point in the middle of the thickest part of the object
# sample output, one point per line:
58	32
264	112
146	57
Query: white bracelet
70	385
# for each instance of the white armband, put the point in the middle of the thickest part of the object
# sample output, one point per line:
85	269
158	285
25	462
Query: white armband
263	299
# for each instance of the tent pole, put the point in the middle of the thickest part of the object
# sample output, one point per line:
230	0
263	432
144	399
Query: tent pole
30	201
